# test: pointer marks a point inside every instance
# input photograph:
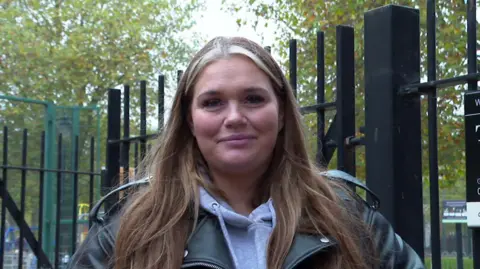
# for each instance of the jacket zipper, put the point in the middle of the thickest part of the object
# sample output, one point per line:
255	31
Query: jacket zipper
208	265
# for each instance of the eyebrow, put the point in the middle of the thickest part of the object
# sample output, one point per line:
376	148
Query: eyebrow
213	92
255	89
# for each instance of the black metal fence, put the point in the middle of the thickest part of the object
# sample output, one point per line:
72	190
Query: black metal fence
392	125
70	223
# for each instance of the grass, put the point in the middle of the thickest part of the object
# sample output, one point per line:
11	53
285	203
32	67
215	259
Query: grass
450	263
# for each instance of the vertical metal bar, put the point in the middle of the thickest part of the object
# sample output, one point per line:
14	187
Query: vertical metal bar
161	101
472	41
22	197
103	180
59	201
345	98
98	183
459	246
48	220
113	149
125	153
472	86
4	193
40	208
143	118
92	169
293	65
135	155
469	242
321	143
433	177
179	75
433	136
149	147
393	158
75	196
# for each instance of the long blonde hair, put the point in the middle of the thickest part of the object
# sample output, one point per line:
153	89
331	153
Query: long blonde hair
158	220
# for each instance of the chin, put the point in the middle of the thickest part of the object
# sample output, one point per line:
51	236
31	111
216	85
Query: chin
238	165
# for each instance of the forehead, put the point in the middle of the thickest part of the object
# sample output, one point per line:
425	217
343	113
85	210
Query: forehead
233	73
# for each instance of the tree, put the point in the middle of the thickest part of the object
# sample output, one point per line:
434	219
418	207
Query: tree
71	52
302	19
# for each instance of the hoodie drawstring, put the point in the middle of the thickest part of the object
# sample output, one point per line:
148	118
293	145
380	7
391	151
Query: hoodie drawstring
223	226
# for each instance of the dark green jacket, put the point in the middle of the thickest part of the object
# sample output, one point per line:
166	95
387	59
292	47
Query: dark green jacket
207	248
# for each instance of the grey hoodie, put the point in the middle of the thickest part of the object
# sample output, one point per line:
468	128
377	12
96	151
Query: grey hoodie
246	236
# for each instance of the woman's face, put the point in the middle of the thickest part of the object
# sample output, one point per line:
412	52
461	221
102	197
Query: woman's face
235	116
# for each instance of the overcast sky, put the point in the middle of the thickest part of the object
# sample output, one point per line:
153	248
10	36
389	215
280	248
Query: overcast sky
217	22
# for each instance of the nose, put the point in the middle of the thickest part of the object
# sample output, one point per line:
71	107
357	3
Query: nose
235	116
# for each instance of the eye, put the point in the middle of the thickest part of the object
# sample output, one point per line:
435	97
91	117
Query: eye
211	103
255	99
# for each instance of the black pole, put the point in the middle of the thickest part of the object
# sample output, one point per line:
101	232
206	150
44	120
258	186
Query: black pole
113	149
393	157
293	65
469	243
103	179
179	76
40	200
345	98
459	246
161	101
135	156
22	198
92	182
125	148
433	137
4	192
75	195
143	118
321	143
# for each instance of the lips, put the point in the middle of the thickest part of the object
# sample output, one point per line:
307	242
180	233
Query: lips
236	137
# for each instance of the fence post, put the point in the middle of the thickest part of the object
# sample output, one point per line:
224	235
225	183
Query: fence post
113	149
48	236
393	134
345	98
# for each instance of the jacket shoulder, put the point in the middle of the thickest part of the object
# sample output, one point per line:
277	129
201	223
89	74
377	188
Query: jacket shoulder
95	214
353	182
97	249
392	250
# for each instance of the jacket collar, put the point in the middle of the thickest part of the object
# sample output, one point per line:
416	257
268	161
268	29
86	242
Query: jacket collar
305	246
206	246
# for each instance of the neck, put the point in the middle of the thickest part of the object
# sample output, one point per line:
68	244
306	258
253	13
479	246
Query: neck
238	189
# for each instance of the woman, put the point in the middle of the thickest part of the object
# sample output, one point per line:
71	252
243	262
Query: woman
230	184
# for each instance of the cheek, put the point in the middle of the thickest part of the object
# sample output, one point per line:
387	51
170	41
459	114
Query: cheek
205	126
267	121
